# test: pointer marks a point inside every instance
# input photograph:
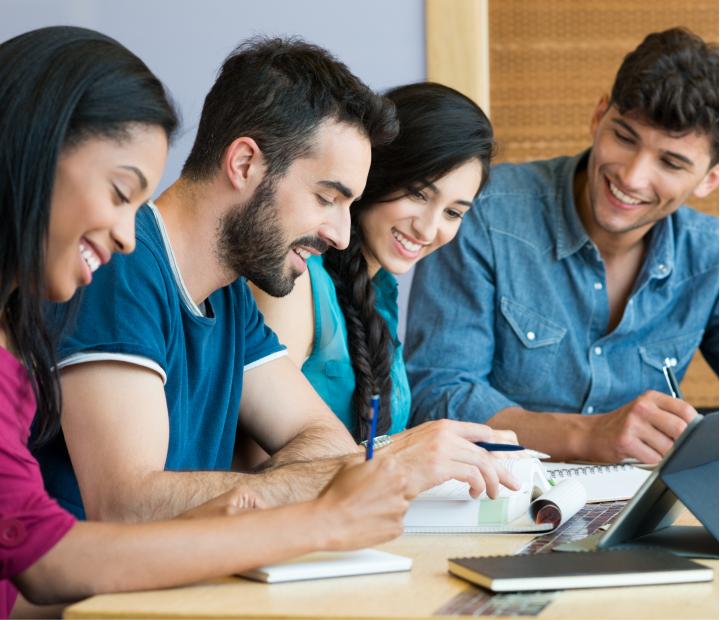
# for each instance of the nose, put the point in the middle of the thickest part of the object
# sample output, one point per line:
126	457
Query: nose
634	175
426	225
123	233
336	230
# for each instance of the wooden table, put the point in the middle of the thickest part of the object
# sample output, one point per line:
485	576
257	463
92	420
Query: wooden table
417	594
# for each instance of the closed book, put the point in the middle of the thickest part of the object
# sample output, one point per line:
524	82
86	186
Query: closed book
591	569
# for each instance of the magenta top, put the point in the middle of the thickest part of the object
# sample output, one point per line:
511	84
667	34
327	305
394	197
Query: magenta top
31	523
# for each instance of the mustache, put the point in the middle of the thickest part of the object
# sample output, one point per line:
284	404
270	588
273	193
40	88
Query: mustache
311	242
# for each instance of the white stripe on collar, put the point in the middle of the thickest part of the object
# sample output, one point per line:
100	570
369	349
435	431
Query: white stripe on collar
184	293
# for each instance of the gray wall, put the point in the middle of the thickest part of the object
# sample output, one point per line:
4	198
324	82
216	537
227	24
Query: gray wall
185	41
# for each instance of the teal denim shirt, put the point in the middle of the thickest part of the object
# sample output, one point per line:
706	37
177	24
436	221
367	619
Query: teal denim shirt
329	368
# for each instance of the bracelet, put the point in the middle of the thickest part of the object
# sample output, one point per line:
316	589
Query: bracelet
378	442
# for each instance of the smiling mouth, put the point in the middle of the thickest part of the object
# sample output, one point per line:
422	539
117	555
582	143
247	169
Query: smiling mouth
91	259
302	253
410	246
622	196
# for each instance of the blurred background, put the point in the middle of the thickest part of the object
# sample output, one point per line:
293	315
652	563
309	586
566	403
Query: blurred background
537	66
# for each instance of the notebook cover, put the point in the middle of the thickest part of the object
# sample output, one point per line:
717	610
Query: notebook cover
322	565
592	569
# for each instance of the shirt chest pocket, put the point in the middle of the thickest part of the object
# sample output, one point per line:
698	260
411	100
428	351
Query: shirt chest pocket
677	352
526	349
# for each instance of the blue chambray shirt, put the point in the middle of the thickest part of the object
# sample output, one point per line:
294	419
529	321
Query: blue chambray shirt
515	311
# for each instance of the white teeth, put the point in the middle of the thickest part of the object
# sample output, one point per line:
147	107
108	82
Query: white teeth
623	197
304	254
90	258
405	242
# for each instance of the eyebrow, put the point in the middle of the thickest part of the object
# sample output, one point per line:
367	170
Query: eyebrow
635	134
433	187
139	174
336	185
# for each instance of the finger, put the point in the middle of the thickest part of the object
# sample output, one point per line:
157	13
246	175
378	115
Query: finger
644	453
505	436
491	475
667	423
654	440
472	431
676	406
470	474
506	478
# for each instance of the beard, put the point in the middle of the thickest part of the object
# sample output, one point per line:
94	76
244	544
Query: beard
251	243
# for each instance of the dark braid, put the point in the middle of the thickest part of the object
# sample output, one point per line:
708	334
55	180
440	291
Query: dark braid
371	347
440	130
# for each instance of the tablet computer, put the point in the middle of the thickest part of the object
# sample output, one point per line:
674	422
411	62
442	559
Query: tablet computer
687	475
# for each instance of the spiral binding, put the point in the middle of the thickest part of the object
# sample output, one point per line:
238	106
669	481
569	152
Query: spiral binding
588	470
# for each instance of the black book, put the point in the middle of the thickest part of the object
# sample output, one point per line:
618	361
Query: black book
588	569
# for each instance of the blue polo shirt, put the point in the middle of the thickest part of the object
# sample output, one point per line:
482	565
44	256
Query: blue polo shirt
138	310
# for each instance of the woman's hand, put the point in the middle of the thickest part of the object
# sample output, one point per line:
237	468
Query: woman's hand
442	449
231	503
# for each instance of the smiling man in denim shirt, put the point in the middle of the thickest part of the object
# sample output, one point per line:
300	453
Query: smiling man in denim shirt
573	280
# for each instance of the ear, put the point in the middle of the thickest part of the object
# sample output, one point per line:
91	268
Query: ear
708	184
600	109
243	163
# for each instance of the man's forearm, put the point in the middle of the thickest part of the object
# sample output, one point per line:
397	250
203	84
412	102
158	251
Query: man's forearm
166	494
563	435
160	495
317	441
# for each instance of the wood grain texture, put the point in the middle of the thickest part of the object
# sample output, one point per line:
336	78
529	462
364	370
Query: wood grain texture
417	594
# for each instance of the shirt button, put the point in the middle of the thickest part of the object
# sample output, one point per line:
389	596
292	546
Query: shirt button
598	350
590	409
530	336
662	267
12	533
671	361
598	286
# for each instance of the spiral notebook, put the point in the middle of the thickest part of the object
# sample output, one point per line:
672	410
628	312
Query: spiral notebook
603	483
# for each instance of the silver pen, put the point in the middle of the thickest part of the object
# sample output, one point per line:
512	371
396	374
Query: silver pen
671	379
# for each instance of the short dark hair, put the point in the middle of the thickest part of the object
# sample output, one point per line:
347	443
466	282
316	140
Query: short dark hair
278	91
671	81
58	86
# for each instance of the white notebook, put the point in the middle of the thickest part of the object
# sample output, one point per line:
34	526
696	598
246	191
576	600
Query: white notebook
603	483
322	565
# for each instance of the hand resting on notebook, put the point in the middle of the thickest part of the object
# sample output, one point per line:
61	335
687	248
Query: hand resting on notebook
439	450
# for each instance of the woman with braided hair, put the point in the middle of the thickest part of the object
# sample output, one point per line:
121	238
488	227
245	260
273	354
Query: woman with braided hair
340	322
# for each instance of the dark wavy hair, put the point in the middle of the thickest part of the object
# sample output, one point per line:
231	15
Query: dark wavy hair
671	81
278	92
58	87
440	129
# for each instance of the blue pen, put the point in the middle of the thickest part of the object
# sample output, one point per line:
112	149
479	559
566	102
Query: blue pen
375	402
499	447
